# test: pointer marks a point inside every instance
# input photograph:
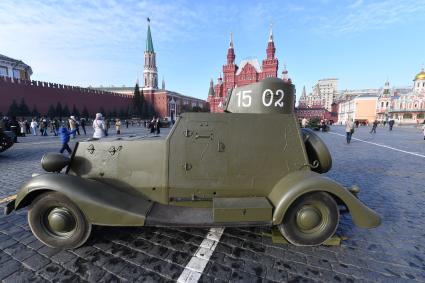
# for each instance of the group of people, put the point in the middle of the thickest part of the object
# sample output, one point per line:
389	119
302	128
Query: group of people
154	125
41	126
349	127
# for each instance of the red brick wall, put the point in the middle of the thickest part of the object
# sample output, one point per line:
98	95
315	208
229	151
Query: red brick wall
43	94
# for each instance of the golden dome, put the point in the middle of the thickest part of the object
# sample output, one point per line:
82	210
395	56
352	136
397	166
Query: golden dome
420	76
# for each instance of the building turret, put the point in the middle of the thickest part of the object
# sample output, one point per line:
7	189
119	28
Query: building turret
211	90
285	74
150	72
386	91
419	82
270	64
303	102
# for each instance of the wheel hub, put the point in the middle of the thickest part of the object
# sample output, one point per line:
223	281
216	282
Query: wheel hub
61	221
308	217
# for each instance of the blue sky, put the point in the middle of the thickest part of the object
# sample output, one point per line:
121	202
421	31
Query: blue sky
101	42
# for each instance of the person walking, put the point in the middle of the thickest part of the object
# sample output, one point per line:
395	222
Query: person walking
152	125
158	126
391	124
64	136
349	129
34	126
72	125
44	123
22	127
14	127
118	126
99	127
374	125
304	122
27	127
83	125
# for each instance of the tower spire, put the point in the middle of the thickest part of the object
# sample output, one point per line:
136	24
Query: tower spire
231	40
271	33
149	43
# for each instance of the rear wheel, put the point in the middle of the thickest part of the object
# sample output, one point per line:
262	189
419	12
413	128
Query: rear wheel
310	220
57	222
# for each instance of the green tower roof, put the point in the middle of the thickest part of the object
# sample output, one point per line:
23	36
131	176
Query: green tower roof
149	44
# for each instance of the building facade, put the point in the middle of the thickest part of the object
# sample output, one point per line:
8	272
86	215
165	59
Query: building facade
247	72
14	69
408	107
323	95
327	90
360	108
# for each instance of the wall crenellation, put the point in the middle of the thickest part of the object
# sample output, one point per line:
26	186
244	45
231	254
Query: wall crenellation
60	86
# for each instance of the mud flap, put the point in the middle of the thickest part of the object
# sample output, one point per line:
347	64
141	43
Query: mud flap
9	207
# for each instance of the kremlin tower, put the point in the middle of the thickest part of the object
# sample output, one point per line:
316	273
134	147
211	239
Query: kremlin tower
150	73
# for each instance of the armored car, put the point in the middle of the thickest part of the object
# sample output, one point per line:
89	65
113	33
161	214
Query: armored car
251	165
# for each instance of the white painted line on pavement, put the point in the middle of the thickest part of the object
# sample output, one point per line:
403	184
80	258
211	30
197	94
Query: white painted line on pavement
382	145
193	270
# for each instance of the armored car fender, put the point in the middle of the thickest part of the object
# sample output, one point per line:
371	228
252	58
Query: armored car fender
299	183
101	204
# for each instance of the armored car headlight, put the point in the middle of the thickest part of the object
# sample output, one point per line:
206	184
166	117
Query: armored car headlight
54	162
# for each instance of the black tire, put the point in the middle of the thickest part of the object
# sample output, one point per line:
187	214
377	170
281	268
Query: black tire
310	220
55	209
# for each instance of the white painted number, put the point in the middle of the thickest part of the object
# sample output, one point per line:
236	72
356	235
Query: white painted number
268	98
279	102
244	99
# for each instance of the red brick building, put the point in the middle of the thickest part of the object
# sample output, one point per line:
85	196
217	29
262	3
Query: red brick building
249	71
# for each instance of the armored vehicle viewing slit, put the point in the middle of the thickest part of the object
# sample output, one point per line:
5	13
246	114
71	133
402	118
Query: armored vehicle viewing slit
251	165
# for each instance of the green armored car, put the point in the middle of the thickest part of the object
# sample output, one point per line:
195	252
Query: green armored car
249	166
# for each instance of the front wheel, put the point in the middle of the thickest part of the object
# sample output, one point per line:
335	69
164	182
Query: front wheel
310	220
57	222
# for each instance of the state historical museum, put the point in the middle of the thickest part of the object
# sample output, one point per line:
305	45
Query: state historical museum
249	71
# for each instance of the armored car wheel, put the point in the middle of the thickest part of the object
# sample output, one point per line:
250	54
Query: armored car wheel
310	220
57	222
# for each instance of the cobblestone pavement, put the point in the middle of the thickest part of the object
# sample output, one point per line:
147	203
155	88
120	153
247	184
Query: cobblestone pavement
392	183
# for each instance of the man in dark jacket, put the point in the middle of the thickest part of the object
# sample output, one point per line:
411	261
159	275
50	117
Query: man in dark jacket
391	124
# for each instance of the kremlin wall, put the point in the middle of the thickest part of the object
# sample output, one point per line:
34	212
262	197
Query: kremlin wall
43	94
